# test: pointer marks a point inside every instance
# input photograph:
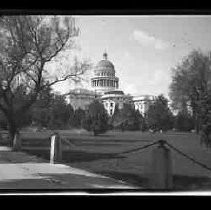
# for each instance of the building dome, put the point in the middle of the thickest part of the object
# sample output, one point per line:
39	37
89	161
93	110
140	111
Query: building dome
104	76
105	66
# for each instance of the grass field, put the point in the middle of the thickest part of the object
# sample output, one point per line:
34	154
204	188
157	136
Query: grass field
102	154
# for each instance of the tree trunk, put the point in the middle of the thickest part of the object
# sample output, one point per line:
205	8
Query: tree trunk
197	123
14	136
11	132
206	122
95	132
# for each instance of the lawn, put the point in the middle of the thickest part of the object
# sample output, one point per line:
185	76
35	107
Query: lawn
102	154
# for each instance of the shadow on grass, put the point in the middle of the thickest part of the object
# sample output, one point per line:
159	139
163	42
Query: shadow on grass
132	179
180	182
61	181
74	156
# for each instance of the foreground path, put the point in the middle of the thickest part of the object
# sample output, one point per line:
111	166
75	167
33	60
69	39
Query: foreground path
19	170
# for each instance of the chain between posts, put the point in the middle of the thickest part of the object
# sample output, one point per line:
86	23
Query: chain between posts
162	143
188	157
139	148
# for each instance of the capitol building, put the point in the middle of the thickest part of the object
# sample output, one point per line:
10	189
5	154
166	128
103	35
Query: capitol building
104	86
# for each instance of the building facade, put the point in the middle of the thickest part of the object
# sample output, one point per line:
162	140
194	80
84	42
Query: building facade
143	102
81	98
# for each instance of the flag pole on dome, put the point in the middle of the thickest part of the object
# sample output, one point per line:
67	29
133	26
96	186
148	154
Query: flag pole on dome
105	55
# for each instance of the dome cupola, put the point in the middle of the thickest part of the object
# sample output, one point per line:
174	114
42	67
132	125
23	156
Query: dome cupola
105	66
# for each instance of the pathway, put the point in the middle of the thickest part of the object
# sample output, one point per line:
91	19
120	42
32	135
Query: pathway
19	170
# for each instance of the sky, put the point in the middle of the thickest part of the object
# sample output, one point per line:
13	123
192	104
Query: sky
143	49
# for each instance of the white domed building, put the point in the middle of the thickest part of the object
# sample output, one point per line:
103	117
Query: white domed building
105	87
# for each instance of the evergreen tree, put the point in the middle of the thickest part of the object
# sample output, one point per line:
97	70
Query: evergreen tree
51	111
127	118
59	113
96	118
159	115
206	122
78	117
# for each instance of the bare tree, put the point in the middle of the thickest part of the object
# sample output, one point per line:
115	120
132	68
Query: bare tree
27	44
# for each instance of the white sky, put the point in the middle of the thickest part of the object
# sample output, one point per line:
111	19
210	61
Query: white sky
143	49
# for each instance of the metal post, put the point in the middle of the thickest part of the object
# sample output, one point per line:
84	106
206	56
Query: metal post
161	171
56	148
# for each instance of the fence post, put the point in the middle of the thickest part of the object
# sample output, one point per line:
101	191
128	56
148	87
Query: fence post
56	148
17	142
161	171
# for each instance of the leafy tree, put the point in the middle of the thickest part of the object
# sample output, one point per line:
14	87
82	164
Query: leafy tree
52	111
96	118
159	115
27	45
41	109
191	84
184	121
